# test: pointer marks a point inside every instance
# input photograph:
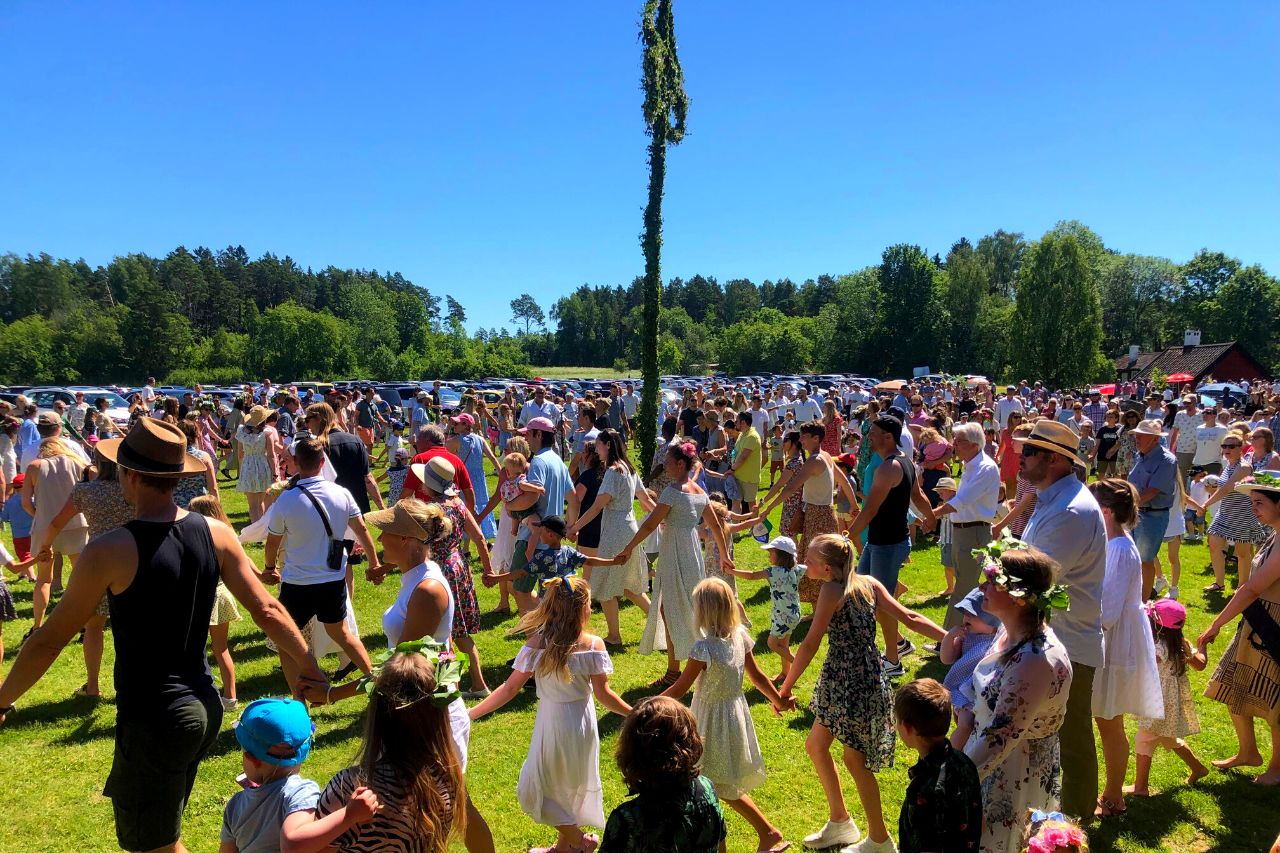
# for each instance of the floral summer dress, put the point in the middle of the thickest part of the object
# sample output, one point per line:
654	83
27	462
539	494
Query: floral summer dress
446	552
852	696
1015	736
617	526
731	758
791	504
255	470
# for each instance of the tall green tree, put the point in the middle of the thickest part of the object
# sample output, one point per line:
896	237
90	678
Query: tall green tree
912	316
525	309
666	105
1057	327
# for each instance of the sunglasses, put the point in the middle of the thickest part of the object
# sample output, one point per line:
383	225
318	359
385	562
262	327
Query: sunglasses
1029	451
1231	446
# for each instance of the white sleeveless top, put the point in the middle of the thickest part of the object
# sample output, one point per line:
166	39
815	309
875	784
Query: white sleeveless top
393	620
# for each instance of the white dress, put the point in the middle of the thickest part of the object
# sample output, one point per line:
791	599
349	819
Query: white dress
617	526
560	779
679	571
1128	681
731	758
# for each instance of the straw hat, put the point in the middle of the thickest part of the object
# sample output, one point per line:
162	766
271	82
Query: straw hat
257	416
436	474
1151	427
1265	481
396	519
1056	437
152	447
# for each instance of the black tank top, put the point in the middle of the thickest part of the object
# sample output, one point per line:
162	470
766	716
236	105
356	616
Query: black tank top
889	525
161	622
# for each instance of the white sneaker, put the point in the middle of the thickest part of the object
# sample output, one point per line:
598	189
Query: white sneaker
228	705
834	833
1173	592
869	846
1160	585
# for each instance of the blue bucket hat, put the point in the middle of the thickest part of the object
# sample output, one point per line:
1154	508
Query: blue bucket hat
282	725
974	604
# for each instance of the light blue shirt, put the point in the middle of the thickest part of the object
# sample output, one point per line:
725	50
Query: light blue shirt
1156	469
546	469
28	443
254	816
532	410
1067	525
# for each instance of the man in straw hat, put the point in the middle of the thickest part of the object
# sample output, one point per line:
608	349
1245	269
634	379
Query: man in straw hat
1155	476
161	573
1067	525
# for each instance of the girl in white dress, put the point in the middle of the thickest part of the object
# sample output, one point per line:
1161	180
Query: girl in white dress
731	756
560	781
1128	681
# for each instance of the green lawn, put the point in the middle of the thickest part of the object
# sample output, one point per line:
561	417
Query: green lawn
57	748
583	373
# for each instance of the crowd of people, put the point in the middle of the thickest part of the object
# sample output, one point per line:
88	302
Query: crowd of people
1051	511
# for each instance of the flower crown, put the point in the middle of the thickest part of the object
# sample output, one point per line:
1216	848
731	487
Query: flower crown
1053	830
989	562
448	671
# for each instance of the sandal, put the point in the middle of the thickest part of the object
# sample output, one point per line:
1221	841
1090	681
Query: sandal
83	690
1106	808
1215	587
668	679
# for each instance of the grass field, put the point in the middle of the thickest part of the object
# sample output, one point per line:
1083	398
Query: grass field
56	749
583	373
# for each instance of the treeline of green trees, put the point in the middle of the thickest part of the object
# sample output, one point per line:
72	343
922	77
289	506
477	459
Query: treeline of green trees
1060	308
220	317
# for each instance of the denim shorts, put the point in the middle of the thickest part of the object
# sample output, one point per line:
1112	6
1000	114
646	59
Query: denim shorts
1149	532
884	562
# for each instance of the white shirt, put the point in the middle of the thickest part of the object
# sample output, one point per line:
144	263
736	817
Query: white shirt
1208	444
806	410
1006	407
307	546
76	415
979	494
761	421
532	410
148	394
631	404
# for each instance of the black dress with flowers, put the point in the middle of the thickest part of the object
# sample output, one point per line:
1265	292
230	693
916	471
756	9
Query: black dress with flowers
852	696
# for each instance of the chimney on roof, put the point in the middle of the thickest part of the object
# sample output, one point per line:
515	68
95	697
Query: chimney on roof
1191	338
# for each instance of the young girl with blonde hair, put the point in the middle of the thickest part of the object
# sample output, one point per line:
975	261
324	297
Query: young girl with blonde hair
718	662
851	702
560	780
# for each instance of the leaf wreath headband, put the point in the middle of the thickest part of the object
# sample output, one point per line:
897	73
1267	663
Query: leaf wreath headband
992	568
447	666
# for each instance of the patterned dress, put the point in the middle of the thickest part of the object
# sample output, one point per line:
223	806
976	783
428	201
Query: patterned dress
1234	519
683	819
617	526
104	508
193	485
446	552
852	696
1179	710
255	470
792	504
731	756
1247	679
679	571
1017	714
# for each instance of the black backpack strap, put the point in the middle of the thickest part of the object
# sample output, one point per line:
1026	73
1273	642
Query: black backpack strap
324	516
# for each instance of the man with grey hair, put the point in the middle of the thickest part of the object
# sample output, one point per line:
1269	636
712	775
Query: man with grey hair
430	444
972	510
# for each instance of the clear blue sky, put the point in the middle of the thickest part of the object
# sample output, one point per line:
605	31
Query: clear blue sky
485	149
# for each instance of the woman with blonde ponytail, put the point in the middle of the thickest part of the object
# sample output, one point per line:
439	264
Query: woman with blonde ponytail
560	780
851	702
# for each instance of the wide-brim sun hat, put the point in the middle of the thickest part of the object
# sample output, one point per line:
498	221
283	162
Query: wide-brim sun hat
436	474
257	416
1055	437
397	520
1260	481
152	447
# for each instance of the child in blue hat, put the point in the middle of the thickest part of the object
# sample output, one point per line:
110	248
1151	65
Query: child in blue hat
962	648
275	735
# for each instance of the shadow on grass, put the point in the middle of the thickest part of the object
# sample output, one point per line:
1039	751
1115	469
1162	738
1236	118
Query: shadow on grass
1149	820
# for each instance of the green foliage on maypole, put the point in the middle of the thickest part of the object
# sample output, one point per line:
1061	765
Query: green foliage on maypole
665	107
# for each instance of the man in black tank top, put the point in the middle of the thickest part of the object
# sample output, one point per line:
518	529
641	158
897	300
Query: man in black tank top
160	572
894	487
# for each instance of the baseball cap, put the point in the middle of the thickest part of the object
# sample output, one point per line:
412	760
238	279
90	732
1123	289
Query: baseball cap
555	524
1168	613
785	544
18	480
276	731
974	605
48	419
540	424
464	418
